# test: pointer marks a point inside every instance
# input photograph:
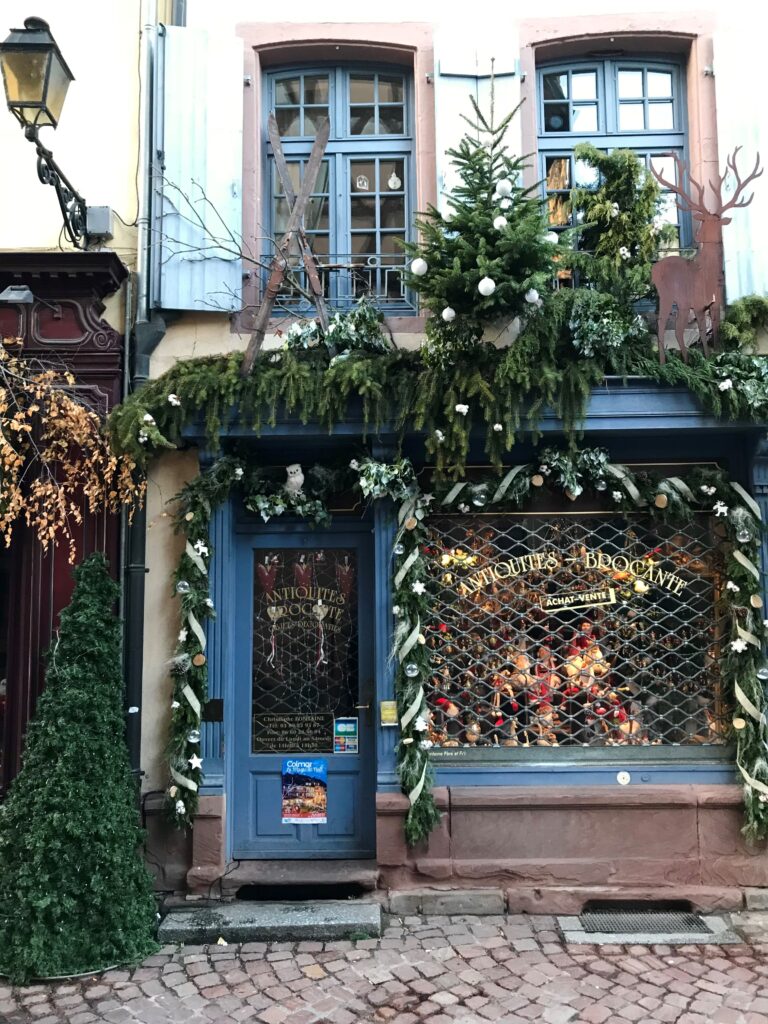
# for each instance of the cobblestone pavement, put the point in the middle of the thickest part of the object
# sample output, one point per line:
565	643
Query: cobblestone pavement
440	970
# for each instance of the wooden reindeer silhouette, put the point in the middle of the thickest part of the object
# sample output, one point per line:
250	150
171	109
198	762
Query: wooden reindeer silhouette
698	284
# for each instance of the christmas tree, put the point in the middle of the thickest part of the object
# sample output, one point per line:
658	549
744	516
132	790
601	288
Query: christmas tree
489	258
75	895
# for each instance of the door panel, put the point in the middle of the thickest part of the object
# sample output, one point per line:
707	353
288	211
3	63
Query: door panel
303	658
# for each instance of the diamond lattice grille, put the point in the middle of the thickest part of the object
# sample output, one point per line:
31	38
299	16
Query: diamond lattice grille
305	647
557	630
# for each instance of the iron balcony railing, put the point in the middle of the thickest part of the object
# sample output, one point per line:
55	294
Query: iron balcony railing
347	277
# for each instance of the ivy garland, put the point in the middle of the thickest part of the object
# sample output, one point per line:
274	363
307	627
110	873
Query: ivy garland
736	517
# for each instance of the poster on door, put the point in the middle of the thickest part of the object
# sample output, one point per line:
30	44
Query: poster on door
304	791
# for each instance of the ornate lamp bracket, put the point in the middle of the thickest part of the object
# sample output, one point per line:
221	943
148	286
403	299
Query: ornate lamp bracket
72	205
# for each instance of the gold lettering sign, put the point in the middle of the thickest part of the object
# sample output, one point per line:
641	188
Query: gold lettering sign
615	568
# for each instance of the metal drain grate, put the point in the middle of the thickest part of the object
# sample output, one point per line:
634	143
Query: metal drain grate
628	922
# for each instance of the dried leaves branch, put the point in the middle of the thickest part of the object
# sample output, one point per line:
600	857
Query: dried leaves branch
55	459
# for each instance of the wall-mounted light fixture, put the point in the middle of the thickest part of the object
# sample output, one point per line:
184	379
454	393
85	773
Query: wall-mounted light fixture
36	79
21	295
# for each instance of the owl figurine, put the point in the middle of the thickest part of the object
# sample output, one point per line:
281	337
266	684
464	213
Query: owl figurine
295	479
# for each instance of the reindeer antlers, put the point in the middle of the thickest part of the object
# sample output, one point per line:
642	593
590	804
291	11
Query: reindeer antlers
698	206
736	201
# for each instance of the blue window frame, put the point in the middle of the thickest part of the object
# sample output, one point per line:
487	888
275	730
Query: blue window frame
360	212
614	104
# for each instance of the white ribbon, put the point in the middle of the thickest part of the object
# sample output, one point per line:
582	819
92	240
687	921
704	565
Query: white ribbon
748	637
454	492
501	490
402	572
746	703
754	783
197	629
182	780
194	703
748	500
623	474
195	558
415	793
747	563
682	487
409	641
412	710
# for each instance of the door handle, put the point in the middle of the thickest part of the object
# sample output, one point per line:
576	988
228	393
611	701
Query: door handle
365	707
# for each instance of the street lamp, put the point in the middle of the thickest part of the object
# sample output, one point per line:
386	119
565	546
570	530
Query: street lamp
36	79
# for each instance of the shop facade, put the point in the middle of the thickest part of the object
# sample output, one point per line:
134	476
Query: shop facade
578	728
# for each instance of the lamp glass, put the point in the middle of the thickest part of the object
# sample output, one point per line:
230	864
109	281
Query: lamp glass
35	75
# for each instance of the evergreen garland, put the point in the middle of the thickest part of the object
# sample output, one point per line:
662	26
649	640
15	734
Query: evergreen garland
75	895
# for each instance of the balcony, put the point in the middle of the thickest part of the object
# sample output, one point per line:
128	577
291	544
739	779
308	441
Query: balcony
344	279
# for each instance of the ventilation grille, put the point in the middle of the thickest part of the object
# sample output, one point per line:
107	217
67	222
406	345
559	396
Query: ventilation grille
640	922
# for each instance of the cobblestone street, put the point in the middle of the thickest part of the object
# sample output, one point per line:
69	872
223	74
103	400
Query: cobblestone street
446	970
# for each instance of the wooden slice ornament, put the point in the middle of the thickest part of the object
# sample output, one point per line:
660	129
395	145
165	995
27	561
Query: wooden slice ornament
411	523
661	501
198	660
537	480
756	601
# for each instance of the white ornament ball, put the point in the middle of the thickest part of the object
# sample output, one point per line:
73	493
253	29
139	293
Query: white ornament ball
448	215
505	204
532	296
487	286
419	267
448	314
504	187
552	237
500	223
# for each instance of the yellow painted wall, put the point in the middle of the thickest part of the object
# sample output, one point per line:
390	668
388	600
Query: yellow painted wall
96	142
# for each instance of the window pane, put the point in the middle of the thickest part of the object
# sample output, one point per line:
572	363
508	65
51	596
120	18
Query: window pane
323	175
316	89
558	210
392	249
630	85
585	175
316	214
585	118
555	87
631	117
665	166
391	121
363	212
313	117
288	91
392	175
363	175
668	211
390	89
362	121
660	116
364	245
556	117
584	86
393	212
659	84
288	121
280	216
318	244
361	88
558	172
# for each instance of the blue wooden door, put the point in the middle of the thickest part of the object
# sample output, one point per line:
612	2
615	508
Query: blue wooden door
304	694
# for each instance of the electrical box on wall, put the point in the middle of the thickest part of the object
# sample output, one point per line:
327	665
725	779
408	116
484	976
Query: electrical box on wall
99	222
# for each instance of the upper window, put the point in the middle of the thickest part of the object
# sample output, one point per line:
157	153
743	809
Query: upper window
358	215
614	104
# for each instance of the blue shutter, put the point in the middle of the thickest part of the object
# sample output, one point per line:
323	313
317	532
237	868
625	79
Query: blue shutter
741	121
196	225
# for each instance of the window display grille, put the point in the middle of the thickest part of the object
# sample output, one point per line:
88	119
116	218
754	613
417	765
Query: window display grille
593	631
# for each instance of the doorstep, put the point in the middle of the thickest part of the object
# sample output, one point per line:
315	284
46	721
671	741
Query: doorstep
289	873
319	920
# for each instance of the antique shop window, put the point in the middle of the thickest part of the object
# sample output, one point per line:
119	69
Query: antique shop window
614	104
564	630
359	213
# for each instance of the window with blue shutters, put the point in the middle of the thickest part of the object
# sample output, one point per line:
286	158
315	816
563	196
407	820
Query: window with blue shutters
360	211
